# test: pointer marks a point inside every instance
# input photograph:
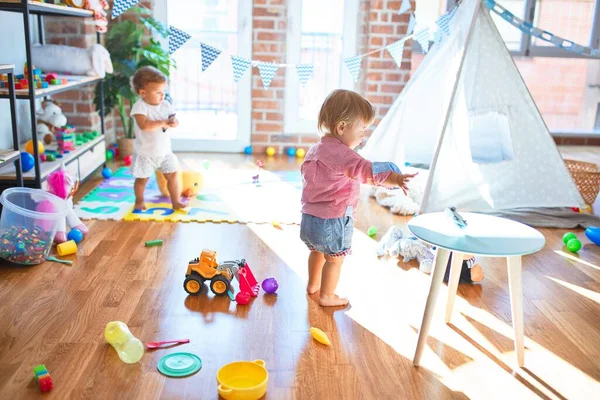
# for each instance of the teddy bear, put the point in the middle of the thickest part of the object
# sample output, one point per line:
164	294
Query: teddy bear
49	117
99	8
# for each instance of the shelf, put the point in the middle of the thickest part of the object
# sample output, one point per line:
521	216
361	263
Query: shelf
36	7
8	156
7	68
49	166
74	81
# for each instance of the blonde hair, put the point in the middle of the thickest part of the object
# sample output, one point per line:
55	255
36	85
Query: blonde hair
146	75
344	106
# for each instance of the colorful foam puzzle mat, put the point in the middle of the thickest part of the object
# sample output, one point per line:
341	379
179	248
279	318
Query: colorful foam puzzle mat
228	195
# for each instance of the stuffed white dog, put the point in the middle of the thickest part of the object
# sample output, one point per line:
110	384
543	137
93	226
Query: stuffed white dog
49	116
94	61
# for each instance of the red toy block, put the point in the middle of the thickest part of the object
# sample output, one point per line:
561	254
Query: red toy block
46	384
51	76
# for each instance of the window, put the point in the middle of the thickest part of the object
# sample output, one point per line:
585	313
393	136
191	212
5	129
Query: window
323	35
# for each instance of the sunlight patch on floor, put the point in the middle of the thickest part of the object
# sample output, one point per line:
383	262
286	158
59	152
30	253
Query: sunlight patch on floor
389	301
576	259
590	294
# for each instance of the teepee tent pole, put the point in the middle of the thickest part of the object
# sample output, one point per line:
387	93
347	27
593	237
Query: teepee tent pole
449	109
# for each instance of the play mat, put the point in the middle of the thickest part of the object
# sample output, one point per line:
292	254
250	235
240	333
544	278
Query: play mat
228	195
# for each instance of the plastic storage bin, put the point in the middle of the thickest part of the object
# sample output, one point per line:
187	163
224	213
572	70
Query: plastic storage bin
28	224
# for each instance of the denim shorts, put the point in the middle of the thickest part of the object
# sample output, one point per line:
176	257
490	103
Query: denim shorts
332	237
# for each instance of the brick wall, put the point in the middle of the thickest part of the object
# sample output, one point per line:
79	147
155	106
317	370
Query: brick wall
381	80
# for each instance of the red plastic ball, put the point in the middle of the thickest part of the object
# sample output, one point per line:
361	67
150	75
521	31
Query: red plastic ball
242	298
127	160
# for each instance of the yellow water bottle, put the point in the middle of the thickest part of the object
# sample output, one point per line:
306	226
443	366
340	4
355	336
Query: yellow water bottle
129	348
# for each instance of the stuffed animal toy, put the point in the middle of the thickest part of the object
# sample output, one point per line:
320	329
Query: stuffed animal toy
190	183
49	117
94	61
388	240
99	8
61	184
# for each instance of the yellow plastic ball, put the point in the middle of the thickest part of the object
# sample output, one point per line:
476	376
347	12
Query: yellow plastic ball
300	153
270	151
29	147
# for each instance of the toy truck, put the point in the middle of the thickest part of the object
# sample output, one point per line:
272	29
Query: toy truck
219	276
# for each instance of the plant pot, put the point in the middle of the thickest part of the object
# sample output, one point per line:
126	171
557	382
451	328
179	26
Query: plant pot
125	147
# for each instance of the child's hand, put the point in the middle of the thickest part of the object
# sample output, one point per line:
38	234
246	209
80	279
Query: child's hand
402	181
172	121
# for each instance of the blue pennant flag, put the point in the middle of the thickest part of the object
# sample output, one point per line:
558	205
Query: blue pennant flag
304	72
209	54
240	65
412	22
404	7
443	22
396	50
267	71
177	38
120	6
353	64
422	36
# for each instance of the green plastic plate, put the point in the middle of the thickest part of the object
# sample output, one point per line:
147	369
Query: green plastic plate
179	364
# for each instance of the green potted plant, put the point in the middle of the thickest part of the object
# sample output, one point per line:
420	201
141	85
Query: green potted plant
130	50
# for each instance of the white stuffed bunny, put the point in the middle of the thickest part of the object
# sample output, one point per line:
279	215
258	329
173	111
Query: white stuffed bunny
94	61
49	116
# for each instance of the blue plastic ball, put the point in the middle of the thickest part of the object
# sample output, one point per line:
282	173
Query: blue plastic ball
593	233
27	161
248	150
76	235
106	173
291	151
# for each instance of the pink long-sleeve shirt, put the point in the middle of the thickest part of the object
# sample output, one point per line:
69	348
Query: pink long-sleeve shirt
332	174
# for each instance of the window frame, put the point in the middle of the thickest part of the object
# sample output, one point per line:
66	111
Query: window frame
292	124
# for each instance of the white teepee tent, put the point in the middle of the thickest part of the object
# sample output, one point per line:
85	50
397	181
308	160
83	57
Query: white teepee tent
467	114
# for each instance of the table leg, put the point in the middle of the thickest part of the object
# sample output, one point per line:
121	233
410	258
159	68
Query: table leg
453	279
515	286
437	277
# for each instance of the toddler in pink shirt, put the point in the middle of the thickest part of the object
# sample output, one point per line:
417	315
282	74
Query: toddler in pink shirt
332	173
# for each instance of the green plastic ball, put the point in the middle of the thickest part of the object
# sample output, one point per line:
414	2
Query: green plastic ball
568	236
109	154
372	231
574	245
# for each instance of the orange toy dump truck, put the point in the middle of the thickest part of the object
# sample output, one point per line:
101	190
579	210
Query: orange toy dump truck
218	275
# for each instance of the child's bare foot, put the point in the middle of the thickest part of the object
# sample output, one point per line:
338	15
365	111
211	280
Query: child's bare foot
312	289
332	300
476	273
139	205
179	205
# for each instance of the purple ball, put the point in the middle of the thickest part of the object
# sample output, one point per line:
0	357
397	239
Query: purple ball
270	285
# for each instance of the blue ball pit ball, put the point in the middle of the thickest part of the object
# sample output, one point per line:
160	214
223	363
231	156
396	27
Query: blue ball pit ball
27	161
291	152
593	233
106	173
248	150
76	235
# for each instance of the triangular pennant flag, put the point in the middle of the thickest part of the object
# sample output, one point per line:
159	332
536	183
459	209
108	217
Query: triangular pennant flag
240	65
120	6
396	50
267	72
422	36
177	38
304	72
443	22
353	64
209	54
404	7
412	22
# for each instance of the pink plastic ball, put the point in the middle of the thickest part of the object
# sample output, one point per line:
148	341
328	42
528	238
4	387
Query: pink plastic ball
127	160
242	298
270	285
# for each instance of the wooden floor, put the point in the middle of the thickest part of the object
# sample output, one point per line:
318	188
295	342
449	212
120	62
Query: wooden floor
55	314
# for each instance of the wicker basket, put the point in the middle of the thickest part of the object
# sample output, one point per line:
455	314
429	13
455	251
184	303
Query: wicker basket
586	177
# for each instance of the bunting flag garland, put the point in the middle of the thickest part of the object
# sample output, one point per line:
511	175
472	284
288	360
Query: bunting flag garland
412	22
209	54
354	64
177	38
443	22
304	72
396	50
529	29
404	7
267	72
120	6
422	36
240	65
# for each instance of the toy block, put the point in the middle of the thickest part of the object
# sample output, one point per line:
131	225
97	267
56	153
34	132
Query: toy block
39	369
20	76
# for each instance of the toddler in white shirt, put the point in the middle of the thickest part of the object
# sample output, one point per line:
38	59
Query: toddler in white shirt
152	147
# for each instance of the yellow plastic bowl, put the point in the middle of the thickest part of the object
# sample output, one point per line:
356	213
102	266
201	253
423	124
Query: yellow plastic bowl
243	380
